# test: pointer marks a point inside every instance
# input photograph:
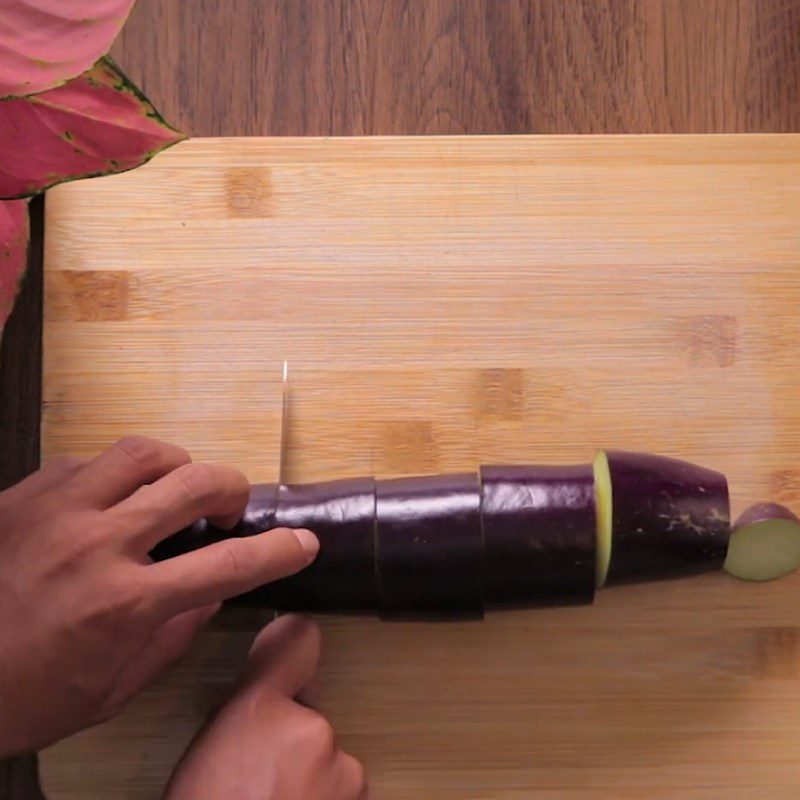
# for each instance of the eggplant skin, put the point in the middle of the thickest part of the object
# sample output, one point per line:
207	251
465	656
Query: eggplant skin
429	547
671	519
763	512
342	515
540	535
342	577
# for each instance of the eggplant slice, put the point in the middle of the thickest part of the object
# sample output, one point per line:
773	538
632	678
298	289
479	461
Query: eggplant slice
765	543
429	547
342	578
540	535
671	519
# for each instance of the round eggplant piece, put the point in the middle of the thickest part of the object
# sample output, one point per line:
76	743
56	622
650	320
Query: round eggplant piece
342	577
540	535
670	518
765	543
429	547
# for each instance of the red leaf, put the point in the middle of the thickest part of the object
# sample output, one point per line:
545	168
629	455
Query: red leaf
44	43
96	124
13	252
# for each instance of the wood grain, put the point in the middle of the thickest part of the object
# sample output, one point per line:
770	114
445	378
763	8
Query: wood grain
349	67
445	302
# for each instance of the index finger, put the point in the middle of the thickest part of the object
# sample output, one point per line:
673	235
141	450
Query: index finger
230	567
157	510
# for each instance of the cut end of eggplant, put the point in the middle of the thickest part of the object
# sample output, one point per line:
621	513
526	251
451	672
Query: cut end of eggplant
603	501
670	518
765	544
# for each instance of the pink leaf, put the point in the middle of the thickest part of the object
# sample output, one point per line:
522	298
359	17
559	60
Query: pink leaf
96	124
13	252
44	43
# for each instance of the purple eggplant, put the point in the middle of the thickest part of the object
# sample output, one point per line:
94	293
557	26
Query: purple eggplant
765	543
429	547
540	535
670	518
342	578
341	513
450	546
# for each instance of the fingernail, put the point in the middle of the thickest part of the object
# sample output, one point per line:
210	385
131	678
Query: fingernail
308	542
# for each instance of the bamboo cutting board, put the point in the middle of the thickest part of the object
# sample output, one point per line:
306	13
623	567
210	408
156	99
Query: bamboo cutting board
445	302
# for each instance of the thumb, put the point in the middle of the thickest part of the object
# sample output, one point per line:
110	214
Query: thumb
160	650
285	655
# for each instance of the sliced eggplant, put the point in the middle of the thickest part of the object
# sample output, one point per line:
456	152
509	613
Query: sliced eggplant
765	543
342	577
429	547
540	535
341	514
670	518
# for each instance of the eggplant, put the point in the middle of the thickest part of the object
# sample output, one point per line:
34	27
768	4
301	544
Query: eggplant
540	535
670	518
342	577
452	546
429	547
765	543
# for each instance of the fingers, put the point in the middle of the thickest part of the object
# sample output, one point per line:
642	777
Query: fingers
285	655
164	647
120	470
186	494
229	568
53	474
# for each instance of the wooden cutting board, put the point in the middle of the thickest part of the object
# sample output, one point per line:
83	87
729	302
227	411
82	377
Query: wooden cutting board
445	302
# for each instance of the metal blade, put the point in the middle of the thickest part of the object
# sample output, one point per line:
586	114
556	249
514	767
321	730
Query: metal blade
284	444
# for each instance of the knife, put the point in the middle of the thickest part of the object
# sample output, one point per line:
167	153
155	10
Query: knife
283	454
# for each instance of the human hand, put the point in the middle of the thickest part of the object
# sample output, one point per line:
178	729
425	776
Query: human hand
262	744
86	618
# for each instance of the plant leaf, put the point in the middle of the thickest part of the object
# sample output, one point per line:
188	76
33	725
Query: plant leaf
44	43
14	233
95	124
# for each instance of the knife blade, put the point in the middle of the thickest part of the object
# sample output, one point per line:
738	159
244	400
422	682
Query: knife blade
284	430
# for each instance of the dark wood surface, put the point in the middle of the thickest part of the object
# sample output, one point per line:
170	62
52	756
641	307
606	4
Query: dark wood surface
347	67
330	67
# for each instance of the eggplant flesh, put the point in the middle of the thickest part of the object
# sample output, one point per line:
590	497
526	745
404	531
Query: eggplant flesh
540	535
603	503
429	547
670	518
765	543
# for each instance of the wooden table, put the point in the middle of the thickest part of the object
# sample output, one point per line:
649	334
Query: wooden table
306	67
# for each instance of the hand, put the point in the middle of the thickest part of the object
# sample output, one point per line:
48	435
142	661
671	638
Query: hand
262	745
86	619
